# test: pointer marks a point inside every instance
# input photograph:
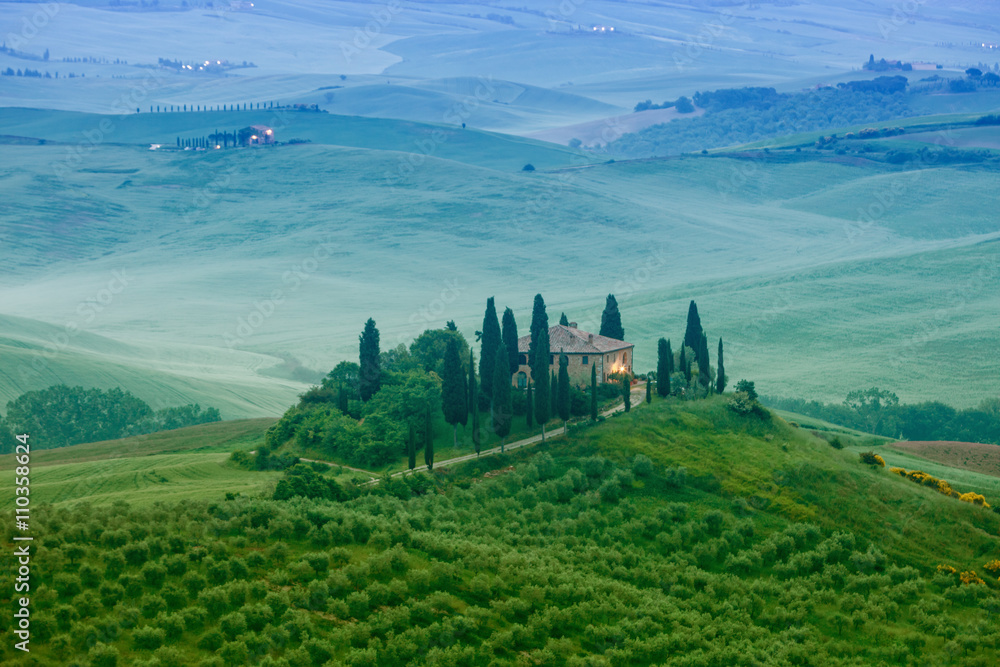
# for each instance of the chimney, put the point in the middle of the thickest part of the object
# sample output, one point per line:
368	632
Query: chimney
590	338
572	325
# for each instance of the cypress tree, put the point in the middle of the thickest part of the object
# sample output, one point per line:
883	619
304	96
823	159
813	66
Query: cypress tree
428	438
471	398
491	338
593	392
539	323
563	320
554	394
663	368
342	399
692	337
563	402
509	336
502	409
370	376
626	392
720	373
453	388
411	447
703	365
529	416
685	368
540	375
611	320
649	391
473	406
465	395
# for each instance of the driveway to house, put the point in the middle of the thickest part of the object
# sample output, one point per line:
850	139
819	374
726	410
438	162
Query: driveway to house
638	398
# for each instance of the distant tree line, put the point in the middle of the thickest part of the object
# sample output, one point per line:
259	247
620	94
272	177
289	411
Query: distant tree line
61	416
734	116
880	412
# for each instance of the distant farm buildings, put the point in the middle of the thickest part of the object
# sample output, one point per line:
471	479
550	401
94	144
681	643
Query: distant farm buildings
255	135
583	349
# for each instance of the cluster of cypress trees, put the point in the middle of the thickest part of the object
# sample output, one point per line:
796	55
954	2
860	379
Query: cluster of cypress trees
696	340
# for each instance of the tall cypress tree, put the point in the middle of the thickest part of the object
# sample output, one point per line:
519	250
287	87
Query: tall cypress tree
720	373
684	366
663	368
539	323
593	392
649	391
342	403
471	398
491	339
703	365
428	438
370	376
563	402
540	375
626	392
692	337
473	406
563	320
554	394
509	336
453	388
529	415
502	409
411	447
611	320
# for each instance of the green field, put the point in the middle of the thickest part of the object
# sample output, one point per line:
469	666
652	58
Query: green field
771	247
728	512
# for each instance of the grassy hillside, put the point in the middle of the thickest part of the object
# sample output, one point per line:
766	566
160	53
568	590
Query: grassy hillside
737	541
211	237
37	355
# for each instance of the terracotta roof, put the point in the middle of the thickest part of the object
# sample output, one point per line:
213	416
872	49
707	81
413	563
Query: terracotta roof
575	341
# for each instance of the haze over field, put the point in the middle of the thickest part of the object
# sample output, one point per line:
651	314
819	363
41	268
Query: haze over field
396	211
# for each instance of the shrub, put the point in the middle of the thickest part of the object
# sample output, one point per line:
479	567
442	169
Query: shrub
148	638
993	567
872	459
970	578
974	498
642	466
102	655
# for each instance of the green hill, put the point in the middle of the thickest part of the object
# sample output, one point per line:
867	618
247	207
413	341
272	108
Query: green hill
678	534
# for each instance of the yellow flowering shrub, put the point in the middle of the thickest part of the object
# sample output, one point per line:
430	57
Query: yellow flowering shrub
993	567
946	569
899	471
970	578
872	459
974	498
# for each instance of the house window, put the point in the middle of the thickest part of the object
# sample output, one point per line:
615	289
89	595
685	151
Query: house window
585	360
523	359
522	380
552	359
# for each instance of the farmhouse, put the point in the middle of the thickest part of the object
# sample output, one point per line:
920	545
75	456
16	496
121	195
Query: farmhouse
583	349
256	135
